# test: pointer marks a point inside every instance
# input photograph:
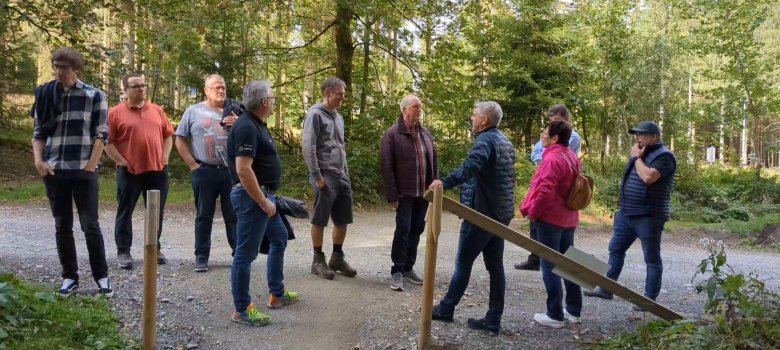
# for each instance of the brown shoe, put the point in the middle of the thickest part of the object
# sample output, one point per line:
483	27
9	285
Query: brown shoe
338	264
320	268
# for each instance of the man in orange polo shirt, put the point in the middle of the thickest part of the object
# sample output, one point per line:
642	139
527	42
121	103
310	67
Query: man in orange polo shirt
140	139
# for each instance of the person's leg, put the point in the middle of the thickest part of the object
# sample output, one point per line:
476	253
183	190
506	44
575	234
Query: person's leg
403	218
471	242
59	190
341	209
418	226
573	290
251	223
128	189
205	186
550	235
622	238
157	180
493	254
85	195
532	263
227	208
650	231
277	236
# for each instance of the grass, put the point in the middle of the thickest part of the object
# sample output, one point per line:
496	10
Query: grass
35	318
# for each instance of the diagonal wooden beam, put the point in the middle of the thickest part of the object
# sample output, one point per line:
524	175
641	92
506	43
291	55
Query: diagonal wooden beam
560	261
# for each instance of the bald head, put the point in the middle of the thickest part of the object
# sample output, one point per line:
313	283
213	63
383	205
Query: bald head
411	109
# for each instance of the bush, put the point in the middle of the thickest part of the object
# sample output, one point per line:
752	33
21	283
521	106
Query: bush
737	213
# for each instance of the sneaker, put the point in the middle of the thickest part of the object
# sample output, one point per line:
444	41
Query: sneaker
320	268
481	324
412	277
397	281
287	298
104	287
572	319
528	265
545	320
251	316
599	293
201	263
161	259
125	260
338	264
638	308
439	314
68	286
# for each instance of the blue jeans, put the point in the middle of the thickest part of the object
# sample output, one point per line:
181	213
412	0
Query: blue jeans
474	240
251	225
558	239
208	183
626	230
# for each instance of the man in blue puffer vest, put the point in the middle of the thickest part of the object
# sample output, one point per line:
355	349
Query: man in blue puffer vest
487	180
644	207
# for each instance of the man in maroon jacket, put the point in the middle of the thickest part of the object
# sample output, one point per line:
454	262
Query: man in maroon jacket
409	164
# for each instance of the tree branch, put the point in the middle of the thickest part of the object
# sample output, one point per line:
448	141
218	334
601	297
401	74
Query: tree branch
302	77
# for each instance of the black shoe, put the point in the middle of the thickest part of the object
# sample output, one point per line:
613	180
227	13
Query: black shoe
528	265
68	286
161	259
201	263
599	293
104	287
125	260
481	324
439	315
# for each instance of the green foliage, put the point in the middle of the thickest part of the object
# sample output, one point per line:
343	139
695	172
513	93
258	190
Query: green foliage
34	318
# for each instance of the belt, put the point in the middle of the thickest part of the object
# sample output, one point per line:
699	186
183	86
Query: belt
266	190
218	166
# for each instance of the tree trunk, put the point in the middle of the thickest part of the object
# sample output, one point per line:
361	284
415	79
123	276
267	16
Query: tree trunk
721	139
344	53
366	61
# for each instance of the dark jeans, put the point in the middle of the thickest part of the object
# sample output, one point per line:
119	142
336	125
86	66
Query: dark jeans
63	189
473	240
558	239
251	225
409	225
208	183
128	188
626	230
533	258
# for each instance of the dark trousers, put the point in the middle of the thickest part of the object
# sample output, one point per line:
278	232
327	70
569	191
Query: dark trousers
409	225
473	241
128	188
558	239
533	258
63	189
626	230
208	183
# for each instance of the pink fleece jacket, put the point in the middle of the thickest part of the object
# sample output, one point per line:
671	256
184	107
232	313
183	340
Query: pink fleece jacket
546	199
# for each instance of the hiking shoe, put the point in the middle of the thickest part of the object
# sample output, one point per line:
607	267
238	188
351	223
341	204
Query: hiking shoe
545	320
397	281
528	265
439	314
68	286
104	287
572	319
599	293
338	264
412	277
125	260
161	259
481	324
201	263
251	316
287	298
320	268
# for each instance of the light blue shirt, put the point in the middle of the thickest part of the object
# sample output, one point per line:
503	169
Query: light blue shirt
574	145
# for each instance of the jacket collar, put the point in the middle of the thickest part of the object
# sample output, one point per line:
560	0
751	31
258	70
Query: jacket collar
402	127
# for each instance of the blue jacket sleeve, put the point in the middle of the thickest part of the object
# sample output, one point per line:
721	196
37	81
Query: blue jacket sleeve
536	154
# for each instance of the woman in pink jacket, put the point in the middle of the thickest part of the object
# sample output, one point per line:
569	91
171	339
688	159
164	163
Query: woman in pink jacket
545	204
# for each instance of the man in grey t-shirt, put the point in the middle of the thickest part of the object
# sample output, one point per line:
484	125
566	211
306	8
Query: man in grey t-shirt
201	142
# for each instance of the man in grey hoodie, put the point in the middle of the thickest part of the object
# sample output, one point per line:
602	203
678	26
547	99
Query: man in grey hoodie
326	158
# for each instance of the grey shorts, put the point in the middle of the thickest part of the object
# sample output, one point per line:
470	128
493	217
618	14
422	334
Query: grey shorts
334	201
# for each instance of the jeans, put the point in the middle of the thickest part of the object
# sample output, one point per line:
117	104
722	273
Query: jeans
474	240
128	188
63	189
251	225
409	225
558	239
208	183
626	230
534	234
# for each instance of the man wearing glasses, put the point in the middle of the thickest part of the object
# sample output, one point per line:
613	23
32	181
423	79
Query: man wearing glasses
68	137
202	144
140	141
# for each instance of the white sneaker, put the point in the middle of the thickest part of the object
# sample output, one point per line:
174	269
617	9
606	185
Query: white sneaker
572	319
545	320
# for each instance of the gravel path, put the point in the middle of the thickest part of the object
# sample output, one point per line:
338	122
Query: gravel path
351	313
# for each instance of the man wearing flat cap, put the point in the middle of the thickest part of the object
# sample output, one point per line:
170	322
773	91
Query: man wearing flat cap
645	196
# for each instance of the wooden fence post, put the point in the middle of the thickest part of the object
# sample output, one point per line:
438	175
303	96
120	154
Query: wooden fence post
151	227
429	275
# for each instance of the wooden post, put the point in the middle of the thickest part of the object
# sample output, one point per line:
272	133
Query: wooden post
151	227
429	274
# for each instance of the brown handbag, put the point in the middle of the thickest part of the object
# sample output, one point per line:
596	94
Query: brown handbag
581	192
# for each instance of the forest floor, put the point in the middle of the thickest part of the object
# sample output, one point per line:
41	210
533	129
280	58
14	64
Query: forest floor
353	313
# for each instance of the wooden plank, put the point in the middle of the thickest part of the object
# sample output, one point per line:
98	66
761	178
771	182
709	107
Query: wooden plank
556	258
429	274
586	260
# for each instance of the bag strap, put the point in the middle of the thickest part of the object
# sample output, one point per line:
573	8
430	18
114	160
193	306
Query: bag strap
571	163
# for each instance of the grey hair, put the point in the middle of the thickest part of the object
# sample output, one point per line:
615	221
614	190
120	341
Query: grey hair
254	93
212	77
330	82
407	100
492	110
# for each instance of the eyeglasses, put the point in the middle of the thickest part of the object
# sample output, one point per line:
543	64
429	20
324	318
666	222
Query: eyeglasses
218	88
138	87
61	67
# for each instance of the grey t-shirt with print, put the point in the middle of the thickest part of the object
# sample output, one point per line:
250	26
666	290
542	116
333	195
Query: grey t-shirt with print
208	140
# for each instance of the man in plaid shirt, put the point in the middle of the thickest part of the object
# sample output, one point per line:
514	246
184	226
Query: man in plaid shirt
69	134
